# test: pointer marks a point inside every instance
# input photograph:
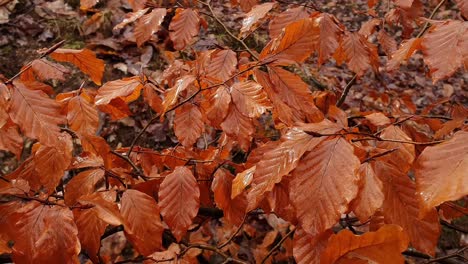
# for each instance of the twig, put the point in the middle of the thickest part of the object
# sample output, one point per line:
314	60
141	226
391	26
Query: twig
278	245
129	161
228	31
454	227
308	5
29	65
346	91
211	248
453	255
379	155
399	141
235	233
426	25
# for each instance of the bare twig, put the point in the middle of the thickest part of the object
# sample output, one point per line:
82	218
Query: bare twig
235	233
129	161
426	25
452	255
454	227
399	141
213	249
346	91
379	155
228	31
29	65
278	245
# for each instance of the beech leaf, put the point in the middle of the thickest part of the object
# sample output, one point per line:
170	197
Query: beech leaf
254	17
188	124
90	229
249	98
127	88
184	26
234	209
82	115
84	59
308	248
279	22
179	200
222	64
148	24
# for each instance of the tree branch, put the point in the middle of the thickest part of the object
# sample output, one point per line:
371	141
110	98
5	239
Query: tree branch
278	245
346	91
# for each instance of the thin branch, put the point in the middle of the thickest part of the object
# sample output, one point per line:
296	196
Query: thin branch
346	91
379	155
278	245
452	255
454	227
426	25
213	249
235	233
399	141
129	161
29	65
228	31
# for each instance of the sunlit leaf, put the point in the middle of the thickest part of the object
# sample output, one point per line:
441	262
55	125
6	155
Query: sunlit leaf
370	196
172	94
217	105
254	17
234	209
84	59
323	184
127	88
143	224
404	52
179	200
148	24
241	181
383	246
184	26
249	98
285	18
442	172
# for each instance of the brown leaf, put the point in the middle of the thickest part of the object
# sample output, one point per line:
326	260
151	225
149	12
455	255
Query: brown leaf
441	172
293	46
378	119
254	17
129	18
84	183
233	208
127	88
279	162
45	234
188	124
84	59
46	70
308	248
401	207
323	184
217	105
15	186
407	48
388	43
383	246
143	225
105	207
358	53
331	32
117	109
404	156
152	98
36	114
463	6
249	98
184	26
11	140
90	229
445	48
149	24
82	115
239	127
87	4
222	64
241	181
370	196
179	200
368	27
172	94
279	22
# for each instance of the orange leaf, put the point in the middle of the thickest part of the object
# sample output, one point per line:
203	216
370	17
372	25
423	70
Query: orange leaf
127	88
401	207
370	196
293	46
188	124
172	94
388	43
233	208
295	93
152	98
105	207
84	183
383	246
90	229
87	4
222	64
249	98
148	24
82	115
130	17
407	48
45	70
239	127
117	108
285	18
11	140
217	105
404	156
18	186
254	17
36	114
179	200
84	59
279	162
241	181
445	48
323	184
45	234
308	248
358	53
368	27
442	172
143	225
331	31
184	26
